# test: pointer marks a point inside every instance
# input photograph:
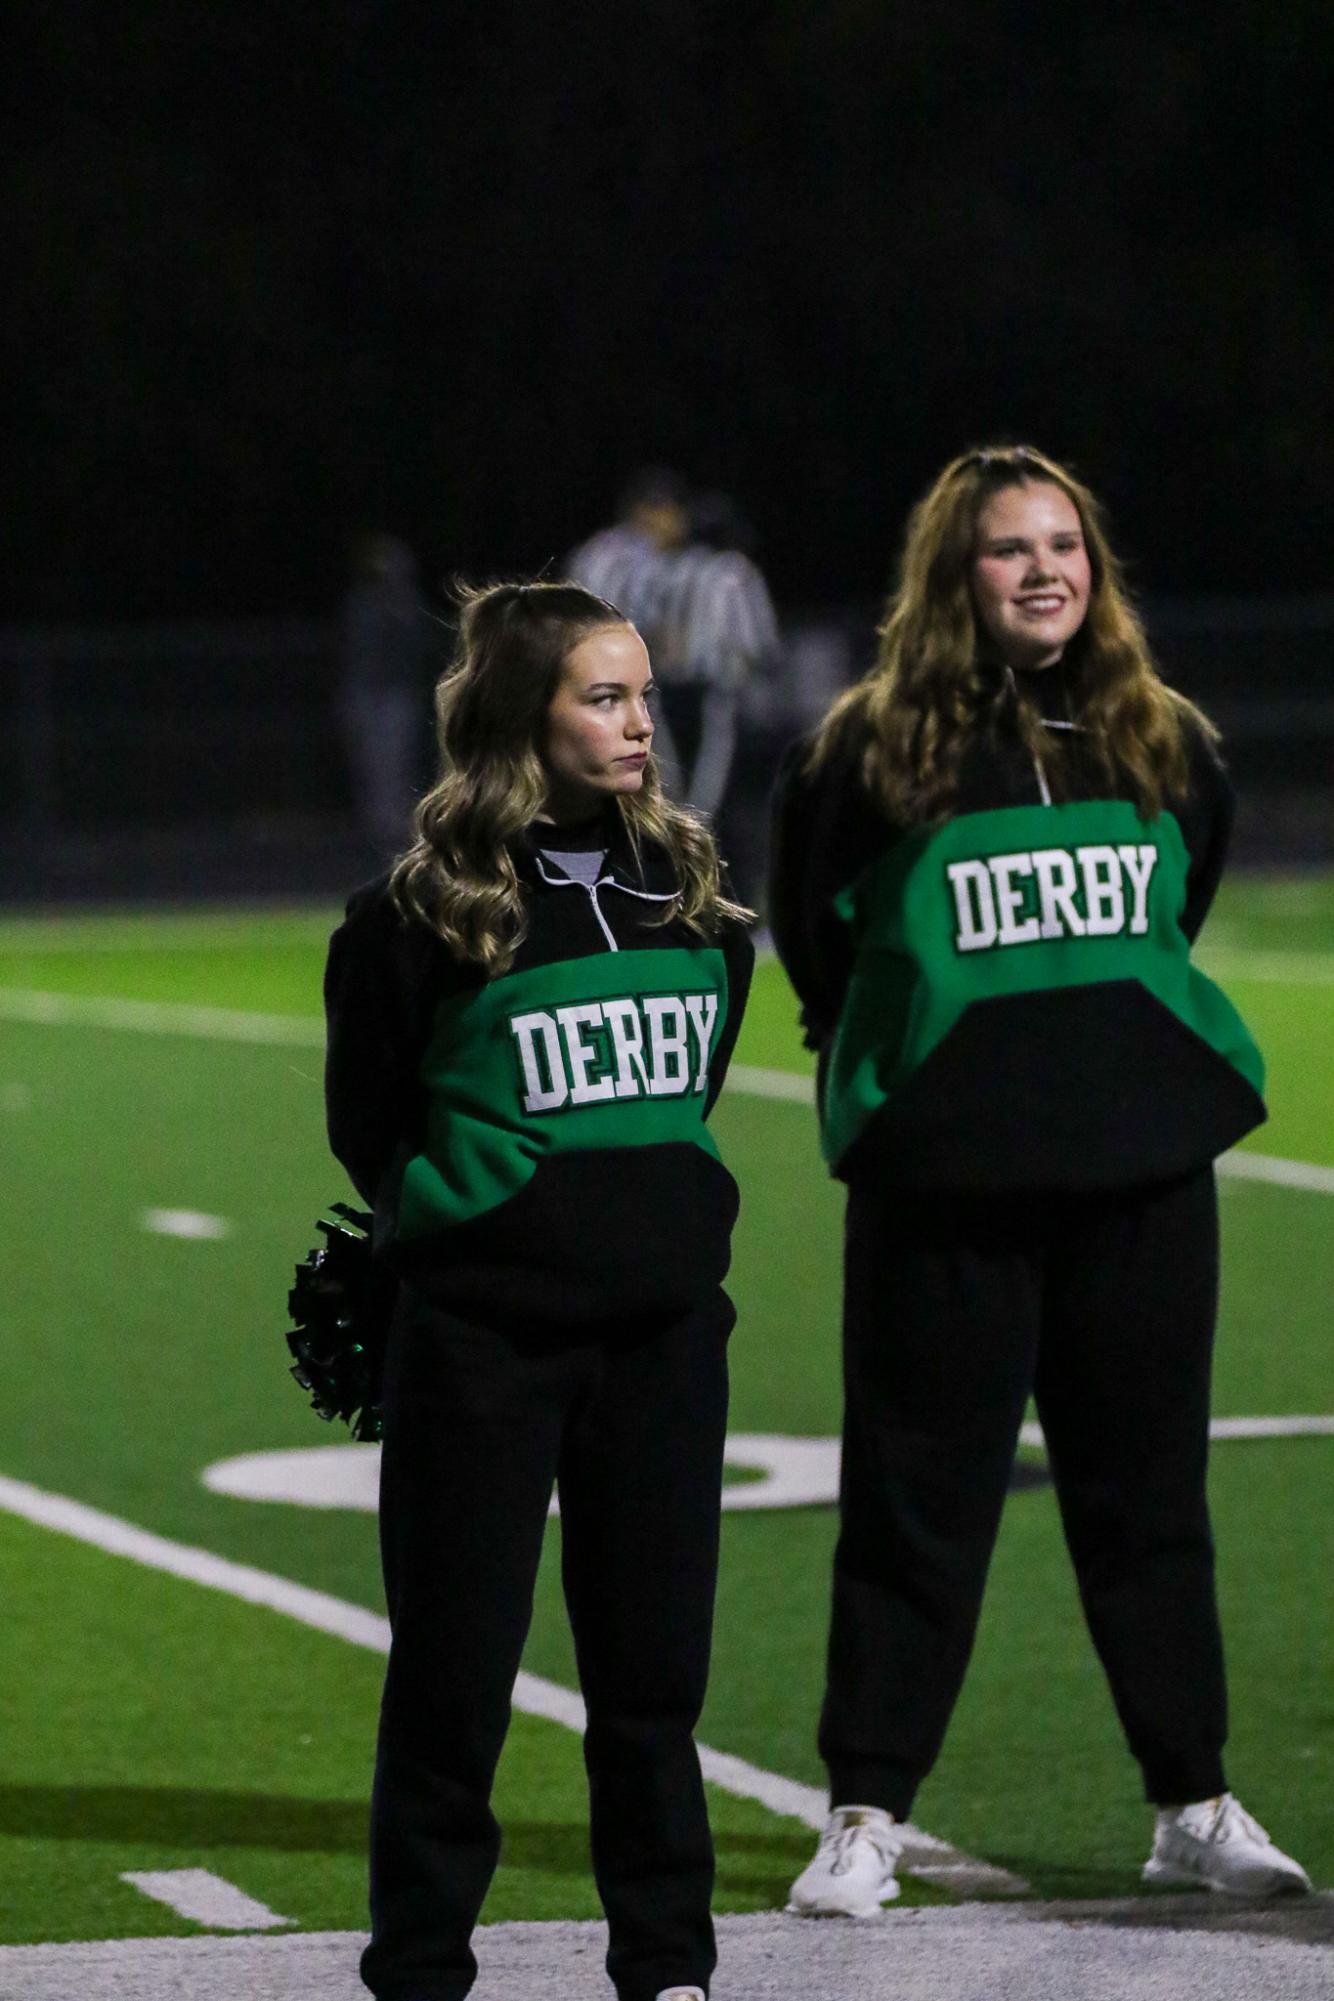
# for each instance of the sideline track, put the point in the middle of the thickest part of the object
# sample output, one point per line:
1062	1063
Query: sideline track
1177	1948
292	1031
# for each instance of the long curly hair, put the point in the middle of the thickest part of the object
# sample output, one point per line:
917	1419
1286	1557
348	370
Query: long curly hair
933	687
459	877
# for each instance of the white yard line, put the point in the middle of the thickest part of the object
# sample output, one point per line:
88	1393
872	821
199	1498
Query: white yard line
1283	1173
1225	960
205	1899
752	1081
1302	969
924	1854
1225	1429
210	1024
66	935
1239	1165
794	1472
191	1223
221	1024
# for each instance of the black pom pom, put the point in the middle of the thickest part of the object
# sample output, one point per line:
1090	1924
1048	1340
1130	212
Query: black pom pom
340	1302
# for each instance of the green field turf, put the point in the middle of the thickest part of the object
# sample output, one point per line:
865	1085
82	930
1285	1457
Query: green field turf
176	1728
152	1724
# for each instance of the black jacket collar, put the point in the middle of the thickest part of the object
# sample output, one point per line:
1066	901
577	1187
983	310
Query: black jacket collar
650	873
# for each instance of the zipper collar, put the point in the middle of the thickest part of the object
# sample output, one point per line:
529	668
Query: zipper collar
1051	681
651	880
608	879
1063	724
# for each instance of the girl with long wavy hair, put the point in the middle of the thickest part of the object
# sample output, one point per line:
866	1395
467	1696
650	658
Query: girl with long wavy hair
530	1019
989	865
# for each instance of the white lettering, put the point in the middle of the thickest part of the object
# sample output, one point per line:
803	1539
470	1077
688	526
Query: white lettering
583	1090
975	905
1104	898
669	1073
703	1012
1139	866
990	897
627	1041
1010	900
657	1047
540	1095
1055	872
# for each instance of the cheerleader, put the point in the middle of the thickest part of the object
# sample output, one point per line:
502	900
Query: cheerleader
990	864
530	1020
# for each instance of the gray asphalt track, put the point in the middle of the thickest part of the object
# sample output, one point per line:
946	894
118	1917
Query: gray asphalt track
1145	1949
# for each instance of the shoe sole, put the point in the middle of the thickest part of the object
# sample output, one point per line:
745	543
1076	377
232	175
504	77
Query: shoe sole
860	1915
1276	1885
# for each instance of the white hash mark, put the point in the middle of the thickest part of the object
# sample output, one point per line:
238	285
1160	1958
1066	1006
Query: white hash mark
205	1899
185	1223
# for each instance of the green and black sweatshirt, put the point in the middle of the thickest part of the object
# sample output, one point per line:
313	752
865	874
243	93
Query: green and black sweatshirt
534	1146
1005	1000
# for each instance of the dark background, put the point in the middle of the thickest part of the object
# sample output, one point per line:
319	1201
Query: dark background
279	270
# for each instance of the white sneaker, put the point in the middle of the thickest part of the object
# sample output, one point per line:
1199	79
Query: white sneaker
1215	1844
681	1994
852	1874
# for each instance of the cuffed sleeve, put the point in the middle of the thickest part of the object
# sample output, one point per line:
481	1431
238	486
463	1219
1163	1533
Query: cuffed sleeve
373	1011
739	957
1207	824
825	830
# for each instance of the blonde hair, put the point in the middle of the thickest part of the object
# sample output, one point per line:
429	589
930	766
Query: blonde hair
459	877
916	709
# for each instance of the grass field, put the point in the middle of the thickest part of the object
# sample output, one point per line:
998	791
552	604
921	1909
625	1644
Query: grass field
152	1724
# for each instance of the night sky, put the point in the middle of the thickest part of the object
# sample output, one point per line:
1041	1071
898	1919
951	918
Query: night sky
280	271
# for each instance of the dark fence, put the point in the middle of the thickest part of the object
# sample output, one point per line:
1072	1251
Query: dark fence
172	760
1263	669
207	759
163	726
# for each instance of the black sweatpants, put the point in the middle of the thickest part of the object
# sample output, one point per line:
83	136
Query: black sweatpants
478	1424
956	1308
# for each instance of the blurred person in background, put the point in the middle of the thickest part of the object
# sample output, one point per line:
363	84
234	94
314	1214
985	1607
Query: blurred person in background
716	629
990	864
681	565
628	563
381	689
530	1020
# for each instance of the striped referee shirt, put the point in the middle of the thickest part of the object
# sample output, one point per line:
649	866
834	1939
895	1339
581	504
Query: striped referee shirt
705	614
628	569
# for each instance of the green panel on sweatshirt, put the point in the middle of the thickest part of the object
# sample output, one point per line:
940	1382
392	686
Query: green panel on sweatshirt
1021	900
609	1050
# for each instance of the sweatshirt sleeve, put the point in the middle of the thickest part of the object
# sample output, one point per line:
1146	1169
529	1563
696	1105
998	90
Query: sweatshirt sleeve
375	1000
739	956
1206	820
824	832
788	886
